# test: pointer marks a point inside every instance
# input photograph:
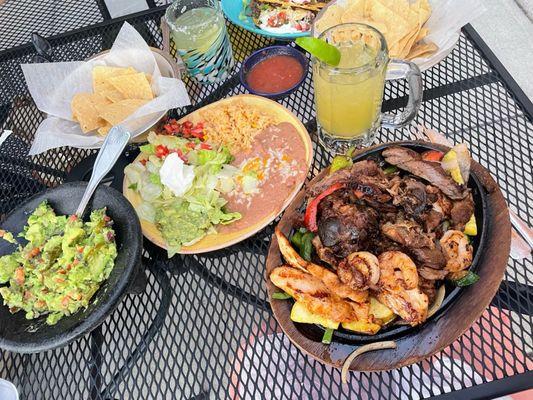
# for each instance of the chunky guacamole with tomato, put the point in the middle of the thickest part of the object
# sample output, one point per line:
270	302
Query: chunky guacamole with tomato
62	265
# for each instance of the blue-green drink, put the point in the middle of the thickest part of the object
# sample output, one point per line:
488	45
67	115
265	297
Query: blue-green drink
198	30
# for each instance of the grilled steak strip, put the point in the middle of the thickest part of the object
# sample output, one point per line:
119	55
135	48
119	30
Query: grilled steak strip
410	161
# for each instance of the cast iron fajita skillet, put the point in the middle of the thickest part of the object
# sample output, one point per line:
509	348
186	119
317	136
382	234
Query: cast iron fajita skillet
28	336
461	306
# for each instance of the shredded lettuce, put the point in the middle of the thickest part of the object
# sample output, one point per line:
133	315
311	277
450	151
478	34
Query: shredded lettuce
186	219
148	149
243	14
155	179
146	211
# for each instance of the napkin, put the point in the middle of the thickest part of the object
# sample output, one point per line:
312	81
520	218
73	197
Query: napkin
53	85
446	20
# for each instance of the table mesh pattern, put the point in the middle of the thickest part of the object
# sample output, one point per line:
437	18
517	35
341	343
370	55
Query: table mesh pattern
20	18
202	327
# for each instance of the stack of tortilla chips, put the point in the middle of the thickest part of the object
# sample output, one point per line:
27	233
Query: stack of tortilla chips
118	92
400	21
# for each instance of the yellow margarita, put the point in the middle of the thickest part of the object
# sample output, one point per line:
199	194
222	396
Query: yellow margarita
348	96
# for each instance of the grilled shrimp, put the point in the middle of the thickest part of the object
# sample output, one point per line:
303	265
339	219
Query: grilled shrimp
411	305
457	250
316	296
397	271
328	277
360	270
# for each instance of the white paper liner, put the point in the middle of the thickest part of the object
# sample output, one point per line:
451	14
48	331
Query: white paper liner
53	85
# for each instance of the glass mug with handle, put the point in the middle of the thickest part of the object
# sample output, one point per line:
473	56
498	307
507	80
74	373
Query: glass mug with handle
198	29
348	96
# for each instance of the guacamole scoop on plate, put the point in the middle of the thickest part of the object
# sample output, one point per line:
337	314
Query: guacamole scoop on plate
62	265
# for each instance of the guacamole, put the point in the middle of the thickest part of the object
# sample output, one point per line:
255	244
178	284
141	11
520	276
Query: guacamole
62	265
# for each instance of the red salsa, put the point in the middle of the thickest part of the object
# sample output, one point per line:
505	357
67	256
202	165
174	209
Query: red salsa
276	74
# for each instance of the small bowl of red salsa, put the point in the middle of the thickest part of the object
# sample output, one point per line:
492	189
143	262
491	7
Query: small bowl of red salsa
274	71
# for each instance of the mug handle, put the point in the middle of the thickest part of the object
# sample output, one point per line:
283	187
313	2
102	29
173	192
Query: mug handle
401	69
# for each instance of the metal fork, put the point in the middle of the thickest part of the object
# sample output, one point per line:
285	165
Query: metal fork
114	143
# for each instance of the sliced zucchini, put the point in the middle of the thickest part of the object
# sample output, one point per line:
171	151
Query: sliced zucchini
380	311
469	278
362	327
300	313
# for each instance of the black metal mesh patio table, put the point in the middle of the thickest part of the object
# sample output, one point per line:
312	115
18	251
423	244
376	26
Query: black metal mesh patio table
22	17
201	326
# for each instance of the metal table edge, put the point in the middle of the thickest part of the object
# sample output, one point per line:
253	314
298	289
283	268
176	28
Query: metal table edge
28	46
497	65
490	390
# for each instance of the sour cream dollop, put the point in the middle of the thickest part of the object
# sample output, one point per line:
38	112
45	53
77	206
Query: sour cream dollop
176	175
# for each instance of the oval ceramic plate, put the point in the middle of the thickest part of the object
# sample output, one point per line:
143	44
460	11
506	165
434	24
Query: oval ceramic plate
219	241
234	10
461	307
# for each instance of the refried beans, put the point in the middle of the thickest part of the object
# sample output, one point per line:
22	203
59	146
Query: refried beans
280	151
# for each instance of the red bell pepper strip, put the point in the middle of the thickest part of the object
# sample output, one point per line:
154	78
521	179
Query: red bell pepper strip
312	208
432	155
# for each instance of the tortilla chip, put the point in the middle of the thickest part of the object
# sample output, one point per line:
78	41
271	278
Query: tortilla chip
408	41
400	21
115	113
84	110
380	26
356	9
102	73
331	17
424	11
396	25
104	129
112	94
422	50
100	100
118	92
134	86
422	34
